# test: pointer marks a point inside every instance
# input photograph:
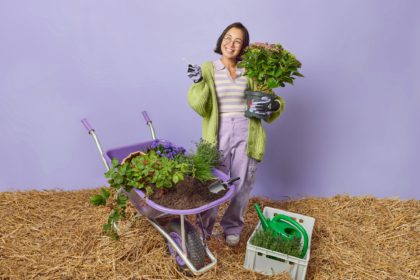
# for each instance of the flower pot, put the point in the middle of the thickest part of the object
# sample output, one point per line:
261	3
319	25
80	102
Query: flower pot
256	96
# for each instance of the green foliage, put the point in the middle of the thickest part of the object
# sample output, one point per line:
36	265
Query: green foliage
270	240
202	171
208	153
146	172
270	66
100	199
118	210
205	158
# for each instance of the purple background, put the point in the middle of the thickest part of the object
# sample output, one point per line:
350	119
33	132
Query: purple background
350	126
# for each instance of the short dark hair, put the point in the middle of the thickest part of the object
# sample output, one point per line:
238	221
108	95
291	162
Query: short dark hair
245	42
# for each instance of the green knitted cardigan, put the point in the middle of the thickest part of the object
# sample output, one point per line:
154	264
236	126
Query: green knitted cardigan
203	99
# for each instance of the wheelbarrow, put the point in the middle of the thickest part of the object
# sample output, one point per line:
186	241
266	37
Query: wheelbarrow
185	244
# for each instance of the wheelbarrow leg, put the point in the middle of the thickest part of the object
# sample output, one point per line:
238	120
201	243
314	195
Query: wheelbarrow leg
184	247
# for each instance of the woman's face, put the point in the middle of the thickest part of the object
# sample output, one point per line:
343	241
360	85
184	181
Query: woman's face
232	43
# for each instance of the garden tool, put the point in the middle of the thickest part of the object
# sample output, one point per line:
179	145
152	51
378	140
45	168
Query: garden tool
219	185
285	227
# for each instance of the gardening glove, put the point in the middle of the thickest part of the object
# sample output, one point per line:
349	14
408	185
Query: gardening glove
265	107
194	73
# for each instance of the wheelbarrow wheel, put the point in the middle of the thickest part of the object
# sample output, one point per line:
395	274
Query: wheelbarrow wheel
196	252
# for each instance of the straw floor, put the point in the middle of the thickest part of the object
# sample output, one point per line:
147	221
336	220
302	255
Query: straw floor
57	235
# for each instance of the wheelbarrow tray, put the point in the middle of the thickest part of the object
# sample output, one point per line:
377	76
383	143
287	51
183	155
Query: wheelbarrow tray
146	206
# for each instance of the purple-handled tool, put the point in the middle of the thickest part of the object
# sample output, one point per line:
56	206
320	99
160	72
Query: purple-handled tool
146	116
149	123
87	125
91	131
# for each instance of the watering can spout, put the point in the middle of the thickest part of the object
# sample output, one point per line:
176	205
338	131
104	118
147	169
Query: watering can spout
264	221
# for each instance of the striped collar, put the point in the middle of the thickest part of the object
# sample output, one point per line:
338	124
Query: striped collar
218	66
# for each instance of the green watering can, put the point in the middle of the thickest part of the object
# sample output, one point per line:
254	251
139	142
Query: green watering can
285	227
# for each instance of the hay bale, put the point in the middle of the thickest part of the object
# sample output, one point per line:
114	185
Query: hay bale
57	235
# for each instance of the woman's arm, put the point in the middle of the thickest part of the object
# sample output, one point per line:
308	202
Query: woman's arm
199	94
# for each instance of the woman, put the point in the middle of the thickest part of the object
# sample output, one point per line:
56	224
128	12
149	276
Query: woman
218	96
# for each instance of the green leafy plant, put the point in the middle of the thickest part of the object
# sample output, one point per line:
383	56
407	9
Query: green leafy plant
100	199
270	240
148	172
270	66
117	207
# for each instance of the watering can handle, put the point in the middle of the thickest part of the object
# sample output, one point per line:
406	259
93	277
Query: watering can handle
264	221
301	229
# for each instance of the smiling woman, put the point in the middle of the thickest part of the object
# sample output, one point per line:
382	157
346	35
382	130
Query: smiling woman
232	42
218	95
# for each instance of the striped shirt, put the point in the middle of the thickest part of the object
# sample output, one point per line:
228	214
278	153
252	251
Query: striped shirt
230	92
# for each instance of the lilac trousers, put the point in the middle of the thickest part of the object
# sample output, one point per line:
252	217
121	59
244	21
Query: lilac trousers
233	136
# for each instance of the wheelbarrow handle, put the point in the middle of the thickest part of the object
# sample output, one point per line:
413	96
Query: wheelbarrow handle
87	125
149	123
146	117
92	133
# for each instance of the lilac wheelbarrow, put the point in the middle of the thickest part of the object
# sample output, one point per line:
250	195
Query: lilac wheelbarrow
184	243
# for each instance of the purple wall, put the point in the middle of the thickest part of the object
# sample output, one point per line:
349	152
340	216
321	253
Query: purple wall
351	125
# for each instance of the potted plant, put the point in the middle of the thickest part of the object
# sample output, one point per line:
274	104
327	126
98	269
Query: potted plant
157	171
269	66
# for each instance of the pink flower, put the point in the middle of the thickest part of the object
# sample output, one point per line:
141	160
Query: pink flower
266	46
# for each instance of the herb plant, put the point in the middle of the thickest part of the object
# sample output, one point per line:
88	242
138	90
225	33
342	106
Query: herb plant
270	240
205	158
270	66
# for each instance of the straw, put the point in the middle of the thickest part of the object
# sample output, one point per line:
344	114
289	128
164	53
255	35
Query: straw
57	235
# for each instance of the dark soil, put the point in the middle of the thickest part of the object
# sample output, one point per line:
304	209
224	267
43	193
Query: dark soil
188	194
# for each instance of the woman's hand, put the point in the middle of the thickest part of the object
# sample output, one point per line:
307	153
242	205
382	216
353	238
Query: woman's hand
265	107
194	73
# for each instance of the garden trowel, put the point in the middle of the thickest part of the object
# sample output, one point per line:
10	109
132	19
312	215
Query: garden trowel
219	185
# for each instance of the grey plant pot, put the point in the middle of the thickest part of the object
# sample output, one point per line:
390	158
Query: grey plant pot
255	96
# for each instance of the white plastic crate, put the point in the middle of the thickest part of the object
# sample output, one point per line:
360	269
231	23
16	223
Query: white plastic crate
270	262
